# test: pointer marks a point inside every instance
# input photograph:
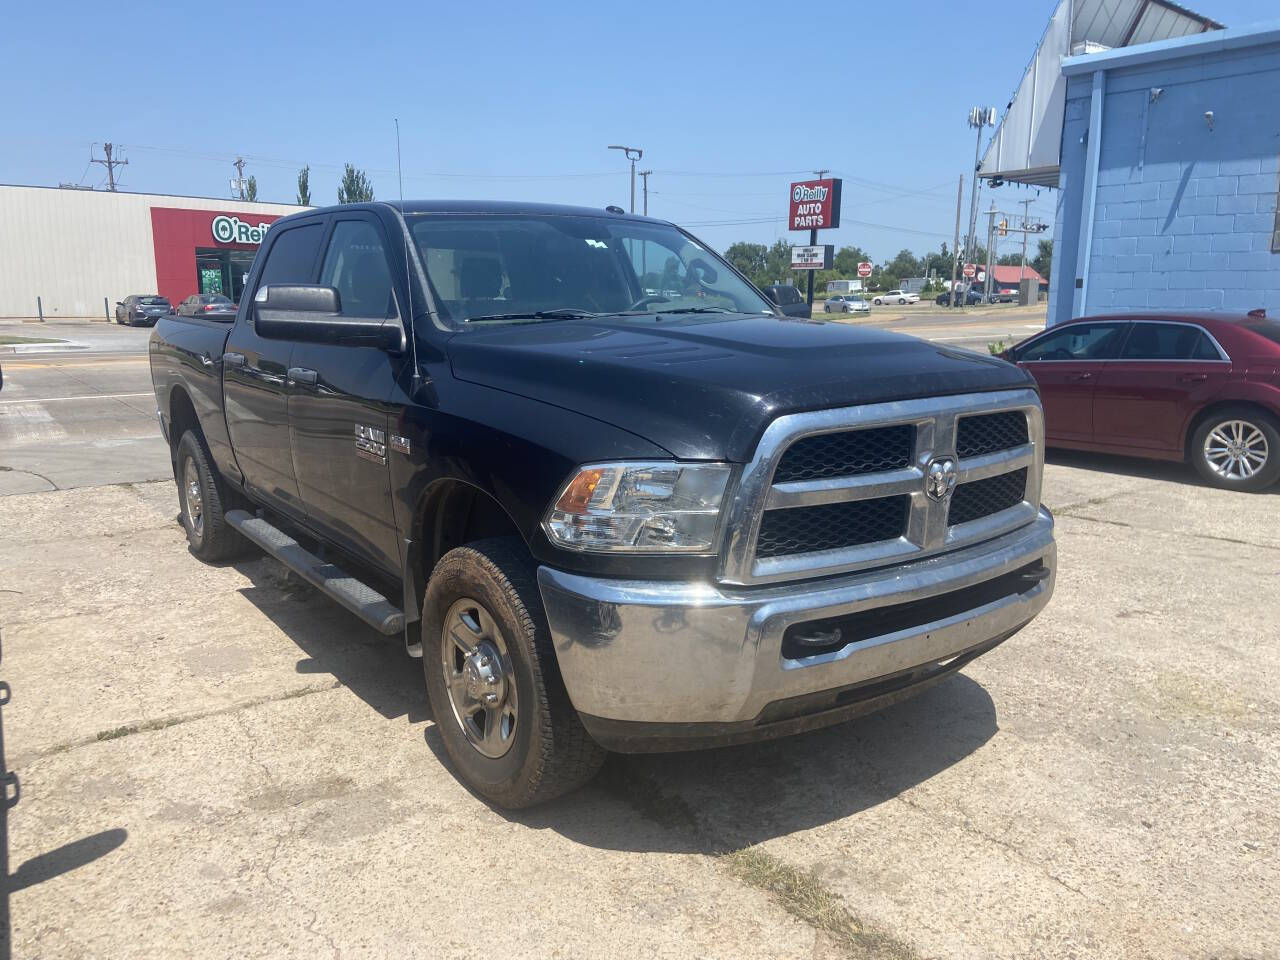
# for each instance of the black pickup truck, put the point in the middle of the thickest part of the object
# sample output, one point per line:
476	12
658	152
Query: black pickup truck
606	518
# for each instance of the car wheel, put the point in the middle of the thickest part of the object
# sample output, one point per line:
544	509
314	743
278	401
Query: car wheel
877	301
1237	449
203	502
496	693
901	301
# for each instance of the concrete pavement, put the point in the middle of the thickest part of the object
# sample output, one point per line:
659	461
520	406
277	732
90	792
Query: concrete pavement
218	762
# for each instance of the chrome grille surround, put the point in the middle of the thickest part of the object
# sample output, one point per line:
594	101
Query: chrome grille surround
927	532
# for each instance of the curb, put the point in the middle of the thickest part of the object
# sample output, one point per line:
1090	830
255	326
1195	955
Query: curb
63	346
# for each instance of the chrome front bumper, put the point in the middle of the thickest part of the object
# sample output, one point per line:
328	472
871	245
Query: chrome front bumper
681	655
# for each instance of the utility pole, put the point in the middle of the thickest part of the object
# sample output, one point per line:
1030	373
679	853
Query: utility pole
109	163
644	175
979	117
628	151
813	242
239	181
1026	213
955	251
991	249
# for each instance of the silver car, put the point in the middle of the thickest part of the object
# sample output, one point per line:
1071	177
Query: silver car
845	303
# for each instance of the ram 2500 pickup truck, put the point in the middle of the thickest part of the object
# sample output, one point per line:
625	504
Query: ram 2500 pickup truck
609	494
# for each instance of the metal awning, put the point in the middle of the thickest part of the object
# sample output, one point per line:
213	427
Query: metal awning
1027	145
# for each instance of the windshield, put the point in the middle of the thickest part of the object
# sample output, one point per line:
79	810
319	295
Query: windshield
213	298
508	268
153	301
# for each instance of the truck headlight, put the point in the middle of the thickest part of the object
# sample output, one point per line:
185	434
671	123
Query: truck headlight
660	507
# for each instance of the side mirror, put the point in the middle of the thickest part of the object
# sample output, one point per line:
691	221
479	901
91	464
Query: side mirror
311	313
1008	354
119	303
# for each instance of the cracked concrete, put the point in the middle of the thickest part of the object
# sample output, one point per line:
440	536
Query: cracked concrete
1105	784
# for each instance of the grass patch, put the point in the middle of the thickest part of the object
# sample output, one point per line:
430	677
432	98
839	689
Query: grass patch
803	896
6	340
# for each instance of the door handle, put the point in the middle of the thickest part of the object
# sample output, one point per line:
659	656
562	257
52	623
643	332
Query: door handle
1080	376
233	359
303	375
1193	378
207	360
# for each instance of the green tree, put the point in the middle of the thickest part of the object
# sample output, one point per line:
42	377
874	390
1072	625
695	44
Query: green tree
355	186
751	259
778	261
1043	261
846	261
304	186
251	192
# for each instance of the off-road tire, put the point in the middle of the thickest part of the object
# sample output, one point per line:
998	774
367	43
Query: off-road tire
1267	424
214	539
551	753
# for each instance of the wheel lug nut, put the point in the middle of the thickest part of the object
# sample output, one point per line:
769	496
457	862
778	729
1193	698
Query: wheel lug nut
491	698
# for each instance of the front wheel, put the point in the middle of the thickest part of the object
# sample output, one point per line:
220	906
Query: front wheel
902	302
496	693
1237	449
878	302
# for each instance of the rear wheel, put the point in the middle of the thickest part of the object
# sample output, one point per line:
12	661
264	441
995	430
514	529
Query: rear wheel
1237	449
496	694
204	501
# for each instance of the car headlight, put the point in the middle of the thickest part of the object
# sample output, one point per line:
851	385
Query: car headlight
659	507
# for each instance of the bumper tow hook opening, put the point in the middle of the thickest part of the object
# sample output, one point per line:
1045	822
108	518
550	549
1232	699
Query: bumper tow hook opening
819	638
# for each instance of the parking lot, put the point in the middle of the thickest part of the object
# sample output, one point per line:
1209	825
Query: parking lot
216	761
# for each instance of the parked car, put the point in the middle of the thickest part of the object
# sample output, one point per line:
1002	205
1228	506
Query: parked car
1197	387
1004	295
895	296
603	522
846	303
207	305
142	309
964	298
788	299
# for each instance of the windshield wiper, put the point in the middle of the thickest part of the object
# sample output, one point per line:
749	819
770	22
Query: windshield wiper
536	315
697	310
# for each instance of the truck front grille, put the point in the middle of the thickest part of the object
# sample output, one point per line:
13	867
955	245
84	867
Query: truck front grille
990	432
831	526
982	498
840	490
846	454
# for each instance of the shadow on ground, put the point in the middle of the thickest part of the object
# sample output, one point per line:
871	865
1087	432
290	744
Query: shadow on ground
715	801
373	667
707	801
1166	470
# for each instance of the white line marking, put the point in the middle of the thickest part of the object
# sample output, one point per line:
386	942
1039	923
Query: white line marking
100	396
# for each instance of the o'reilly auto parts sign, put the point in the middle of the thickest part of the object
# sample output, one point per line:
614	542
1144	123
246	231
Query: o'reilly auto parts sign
234	230
815	205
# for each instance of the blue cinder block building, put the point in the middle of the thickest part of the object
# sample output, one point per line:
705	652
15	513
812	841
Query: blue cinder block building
1169	175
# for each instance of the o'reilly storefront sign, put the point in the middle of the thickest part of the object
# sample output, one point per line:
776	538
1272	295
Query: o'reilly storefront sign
234	230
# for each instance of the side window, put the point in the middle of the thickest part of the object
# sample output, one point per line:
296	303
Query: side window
292	256
1161	341
356	264
1076	341
1205	350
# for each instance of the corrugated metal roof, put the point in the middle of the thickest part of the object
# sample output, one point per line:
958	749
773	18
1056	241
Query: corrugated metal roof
1027	144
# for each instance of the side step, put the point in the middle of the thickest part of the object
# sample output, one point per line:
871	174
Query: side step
361	599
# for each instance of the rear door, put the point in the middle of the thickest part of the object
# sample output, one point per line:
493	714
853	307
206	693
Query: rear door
1067	362
1163	371
255	374
339	416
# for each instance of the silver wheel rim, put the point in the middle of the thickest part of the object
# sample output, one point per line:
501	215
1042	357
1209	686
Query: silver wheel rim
1236	449
194	496
479	677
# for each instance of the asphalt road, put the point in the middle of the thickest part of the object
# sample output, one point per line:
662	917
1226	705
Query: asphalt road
75	418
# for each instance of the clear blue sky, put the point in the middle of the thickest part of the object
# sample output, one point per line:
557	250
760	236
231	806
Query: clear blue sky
519	101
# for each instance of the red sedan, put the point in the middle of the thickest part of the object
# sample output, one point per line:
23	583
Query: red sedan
1198	387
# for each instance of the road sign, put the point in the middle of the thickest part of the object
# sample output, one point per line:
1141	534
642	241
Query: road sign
970	270
864	269
812	258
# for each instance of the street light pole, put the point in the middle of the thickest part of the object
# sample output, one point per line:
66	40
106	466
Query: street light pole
633	154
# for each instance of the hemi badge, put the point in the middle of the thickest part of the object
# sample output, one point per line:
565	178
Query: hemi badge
400	443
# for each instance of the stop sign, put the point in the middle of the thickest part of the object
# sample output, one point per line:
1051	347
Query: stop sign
970	270
864	269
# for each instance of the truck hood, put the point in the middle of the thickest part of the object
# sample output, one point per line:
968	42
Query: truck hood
704	387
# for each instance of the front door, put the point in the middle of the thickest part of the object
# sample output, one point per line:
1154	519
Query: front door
255	376
1163	372
1067	363
339	415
